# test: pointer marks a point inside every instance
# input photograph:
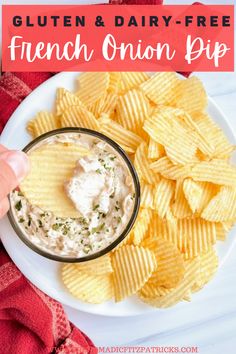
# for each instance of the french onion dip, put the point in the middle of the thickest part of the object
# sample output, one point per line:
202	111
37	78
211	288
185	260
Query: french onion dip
101	189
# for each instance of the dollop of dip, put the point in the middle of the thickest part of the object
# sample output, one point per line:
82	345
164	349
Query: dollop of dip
101	189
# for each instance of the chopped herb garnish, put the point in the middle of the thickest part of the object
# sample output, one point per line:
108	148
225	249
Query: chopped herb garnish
18	205
112	158
82	220
55	227
29	221
112	195
21	220
97	229
117	208
98	171
96	207
100	160
107	230
119	219
42	215
40	223
20	194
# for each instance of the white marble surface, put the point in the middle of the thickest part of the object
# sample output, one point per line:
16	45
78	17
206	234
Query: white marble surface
208	322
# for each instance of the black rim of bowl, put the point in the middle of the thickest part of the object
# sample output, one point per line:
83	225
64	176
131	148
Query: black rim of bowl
128	227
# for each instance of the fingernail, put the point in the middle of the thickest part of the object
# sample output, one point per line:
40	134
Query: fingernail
18	161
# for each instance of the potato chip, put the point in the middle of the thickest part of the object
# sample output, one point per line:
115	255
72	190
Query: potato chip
122	136
96	107
132	267
170	264
44	186
215	136
164	191
109	103
222	207
160	87
168	170
130	80
175	137
205	145
208	267
77	116
141	164
198	194
155	150
178	293
196	235
222	229
214	171
91	288
114	82
97	266
180	207
150	291
67	100
147	194
43	122
60	93
92	85
132	109
141	225
190	95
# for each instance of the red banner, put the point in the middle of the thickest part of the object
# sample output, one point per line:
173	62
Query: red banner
118	38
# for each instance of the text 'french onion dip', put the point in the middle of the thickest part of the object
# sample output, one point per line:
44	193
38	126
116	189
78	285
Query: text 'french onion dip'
102	191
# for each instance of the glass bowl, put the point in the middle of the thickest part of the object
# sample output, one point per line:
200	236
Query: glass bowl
69	259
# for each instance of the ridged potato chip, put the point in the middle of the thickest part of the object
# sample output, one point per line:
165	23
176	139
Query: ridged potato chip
163	193
222	229
147	194
174	295
141	164
208	267
132	267
151	291
43	122
175	137
168	170
198	194
44	186
170	264
222	207
196	235
141	225
215	136
92	86
190	95
180	207
118	133
114	82
160	87
155	150
130	80
66	100
97	266
94	289
132	109
78	116
215	171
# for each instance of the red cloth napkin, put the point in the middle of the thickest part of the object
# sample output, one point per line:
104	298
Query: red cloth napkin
30	321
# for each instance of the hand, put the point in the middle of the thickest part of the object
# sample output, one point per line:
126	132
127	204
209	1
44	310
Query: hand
14	166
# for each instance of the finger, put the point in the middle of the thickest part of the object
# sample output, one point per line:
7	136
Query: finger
4	206
2	148
14	165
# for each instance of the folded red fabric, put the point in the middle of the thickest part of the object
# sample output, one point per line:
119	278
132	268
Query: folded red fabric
32	322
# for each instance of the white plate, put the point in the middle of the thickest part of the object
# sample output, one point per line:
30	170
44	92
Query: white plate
40	271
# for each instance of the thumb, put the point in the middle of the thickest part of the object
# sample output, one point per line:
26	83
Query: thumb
14	165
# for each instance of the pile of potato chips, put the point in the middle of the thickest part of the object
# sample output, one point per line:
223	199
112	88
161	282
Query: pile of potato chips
188	185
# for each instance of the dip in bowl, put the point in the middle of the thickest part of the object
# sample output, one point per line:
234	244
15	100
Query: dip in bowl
101	197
